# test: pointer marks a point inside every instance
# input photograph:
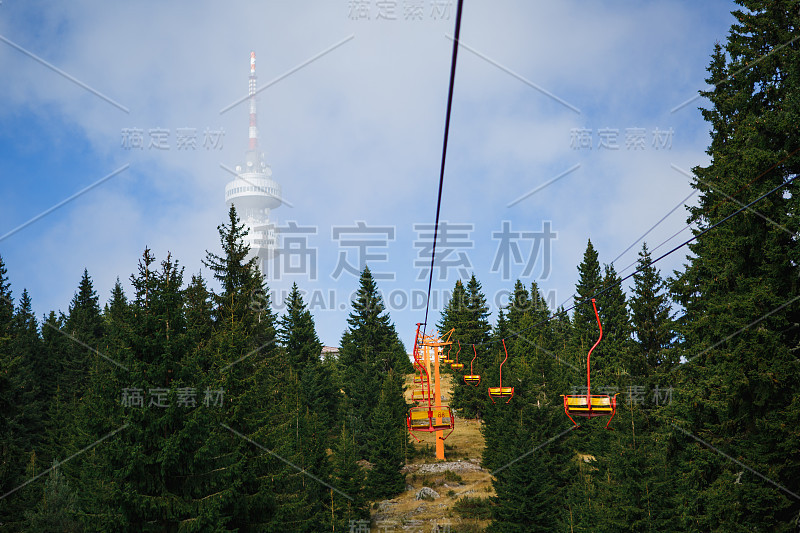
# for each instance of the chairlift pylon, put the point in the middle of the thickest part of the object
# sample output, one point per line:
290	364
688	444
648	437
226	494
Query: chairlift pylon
427	418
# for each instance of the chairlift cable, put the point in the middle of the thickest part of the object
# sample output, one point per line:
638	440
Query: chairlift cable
444	158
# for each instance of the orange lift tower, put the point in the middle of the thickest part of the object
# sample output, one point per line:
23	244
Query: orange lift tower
434	418
434	344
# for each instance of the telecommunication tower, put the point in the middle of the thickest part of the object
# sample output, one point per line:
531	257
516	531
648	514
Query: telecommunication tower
253	191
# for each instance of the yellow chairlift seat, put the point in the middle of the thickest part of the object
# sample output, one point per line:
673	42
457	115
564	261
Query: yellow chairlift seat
501	392
457	366
419	395
430	418
601	404
472	379
590	406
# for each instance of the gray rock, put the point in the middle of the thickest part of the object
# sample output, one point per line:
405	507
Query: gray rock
426	493
386	504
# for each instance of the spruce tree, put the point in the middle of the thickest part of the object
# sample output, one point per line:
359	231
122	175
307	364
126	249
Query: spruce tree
584	323
650	315
84	323
35	389
257	386
56	510
615	351
347	501
739	290
312	447
527	495
479	309
297	334
6	303
467	312
12	448
37	375
370	348
199	309
298	337
499	419
236	274
584	331
388	439
525	441
83	327
144	467
61	424
75	342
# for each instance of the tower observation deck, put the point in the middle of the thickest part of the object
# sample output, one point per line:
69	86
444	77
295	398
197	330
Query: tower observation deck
253	191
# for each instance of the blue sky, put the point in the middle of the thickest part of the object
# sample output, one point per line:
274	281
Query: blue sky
353	136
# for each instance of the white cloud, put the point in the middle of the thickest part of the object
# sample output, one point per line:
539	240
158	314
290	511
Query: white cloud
356	134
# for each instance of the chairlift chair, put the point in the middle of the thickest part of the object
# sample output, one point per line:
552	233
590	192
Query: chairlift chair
446	359
472	378
429	419
590	405
419	395
502	392
457	366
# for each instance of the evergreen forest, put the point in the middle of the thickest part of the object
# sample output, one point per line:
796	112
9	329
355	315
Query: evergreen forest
181	407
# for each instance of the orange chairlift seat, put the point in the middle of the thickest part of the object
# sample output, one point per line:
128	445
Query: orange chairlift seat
457	366
590	405
472	378
427	418
502	392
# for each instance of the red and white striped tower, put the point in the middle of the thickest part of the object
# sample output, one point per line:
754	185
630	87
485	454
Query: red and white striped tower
252	92
253	191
